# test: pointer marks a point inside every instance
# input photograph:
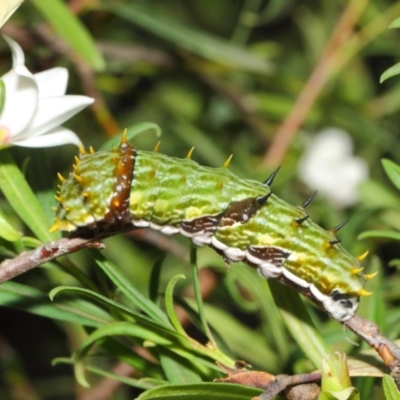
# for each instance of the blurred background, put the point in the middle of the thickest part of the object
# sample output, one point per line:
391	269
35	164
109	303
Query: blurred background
275	83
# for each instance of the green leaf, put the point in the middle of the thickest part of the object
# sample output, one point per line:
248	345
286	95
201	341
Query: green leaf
276	336
390	389
299	323
125	329
117	308
178	369
7	232
139	383
243	341
71	29
123	284
22	199
133	131
169	304
2	94
395	24
197	295
379	234
390	72
366	363
209	391
26	298
155	279
392	171
198	42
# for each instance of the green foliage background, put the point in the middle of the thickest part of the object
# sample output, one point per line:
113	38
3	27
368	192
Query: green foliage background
222	77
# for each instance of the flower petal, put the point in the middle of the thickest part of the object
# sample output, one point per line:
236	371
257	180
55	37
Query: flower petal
52	82
53	111
17	53
329	166
7	9
20	100
56	137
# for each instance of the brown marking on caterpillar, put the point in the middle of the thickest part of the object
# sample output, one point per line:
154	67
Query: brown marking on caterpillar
207	224
272	255
240	211
119	212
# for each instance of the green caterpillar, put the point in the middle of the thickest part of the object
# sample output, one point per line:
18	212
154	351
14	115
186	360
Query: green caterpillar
241	219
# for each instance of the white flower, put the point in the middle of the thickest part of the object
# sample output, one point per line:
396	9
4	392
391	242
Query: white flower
7	8
35	105
329	166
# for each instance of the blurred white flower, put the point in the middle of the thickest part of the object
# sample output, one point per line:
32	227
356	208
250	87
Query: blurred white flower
7	8
35	105
329	166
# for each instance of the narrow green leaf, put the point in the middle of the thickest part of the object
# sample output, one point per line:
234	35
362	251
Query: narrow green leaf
178	370
395	24
133	131
71	29
299	323
136	297
196	41
118	349
209	391
366	363
155	279
392	171
197	295
7	232
379	234
276	336
390	389
243	341
26	298
115	329
22	199
117	308
138	383
390	72
169	304
2	94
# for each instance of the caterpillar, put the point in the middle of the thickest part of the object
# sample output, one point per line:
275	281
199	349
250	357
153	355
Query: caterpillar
241	219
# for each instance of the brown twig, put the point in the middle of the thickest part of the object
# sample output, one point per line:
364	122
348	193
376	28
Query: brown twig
24	262
271	384
387	350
